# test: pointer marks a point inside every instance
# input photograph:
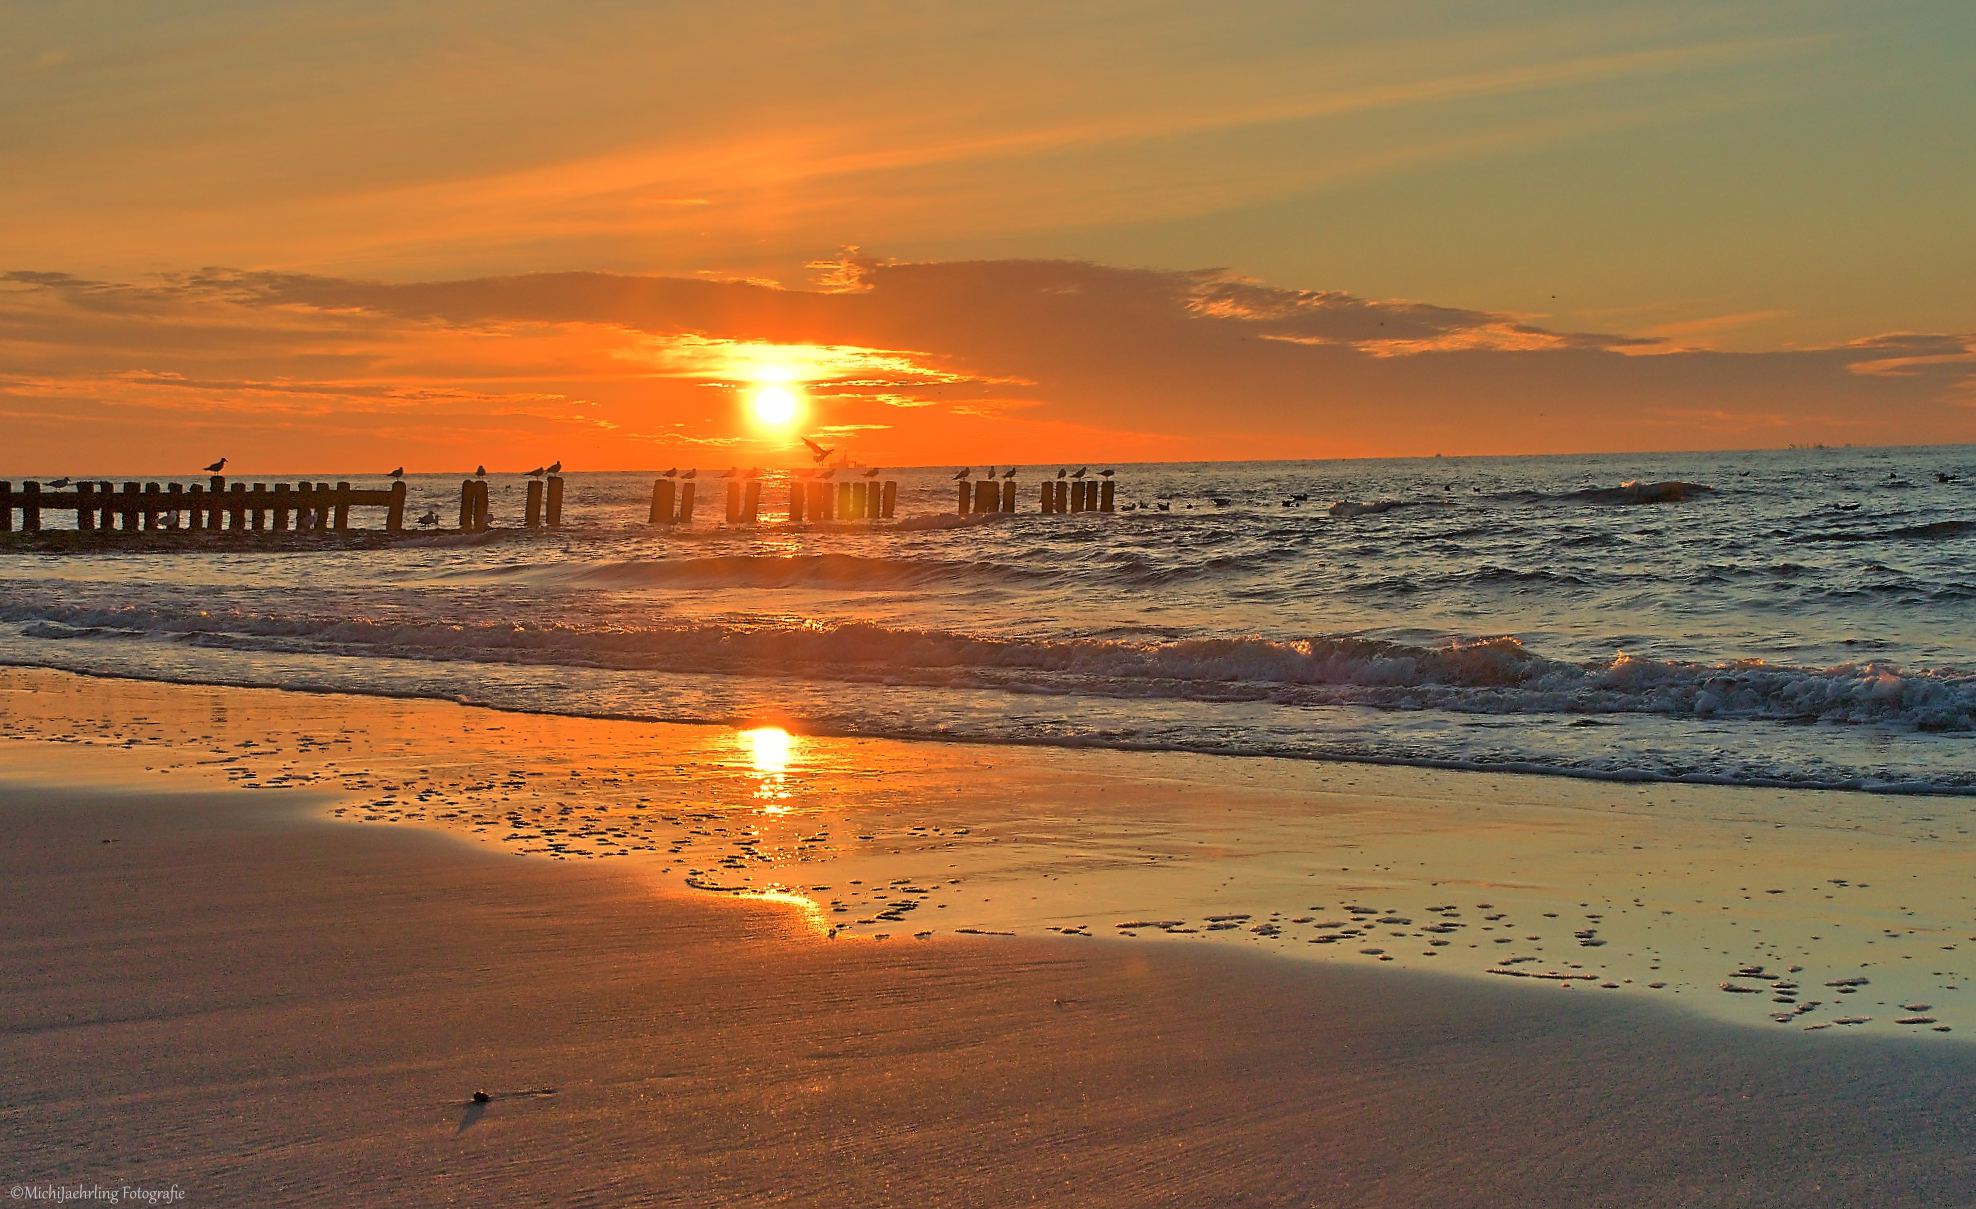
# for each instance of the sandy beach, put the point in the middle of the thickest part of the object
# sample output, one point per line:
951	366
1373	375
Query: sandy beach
247	996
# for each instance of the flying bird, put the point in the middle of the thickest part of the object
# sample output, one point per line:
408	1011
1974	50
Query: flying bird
1009	473
1079	472
396	474
965	472
536	473
216	467
819	451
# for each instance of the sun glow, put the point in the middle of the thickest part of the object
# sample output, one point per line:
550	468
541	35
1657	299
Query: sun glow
775	405
768	746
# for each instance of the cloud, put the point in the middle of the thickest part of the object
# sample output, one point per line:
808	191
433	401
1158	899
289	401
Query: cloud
916	362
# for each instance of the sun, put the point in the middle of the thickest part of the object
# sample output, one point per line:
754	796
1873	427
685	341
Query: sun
775	405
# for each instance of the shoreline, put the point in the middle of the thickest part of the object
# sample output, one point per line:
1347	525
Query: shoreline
240	998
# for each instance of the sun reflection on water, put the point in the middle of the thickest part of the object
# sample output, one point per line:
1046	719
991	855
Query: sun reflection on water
768	748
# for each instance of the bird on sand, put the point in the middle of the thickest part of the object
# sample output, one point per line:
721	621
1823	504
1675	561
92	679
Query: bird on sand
537	473
396	474
817	451
429	519
670	473
216	467
1079	472
1009	473
1105	474
480	472
963	475
871	473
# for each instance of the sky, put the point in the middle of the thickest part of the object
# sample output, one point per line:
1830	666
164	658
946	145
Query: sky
327	235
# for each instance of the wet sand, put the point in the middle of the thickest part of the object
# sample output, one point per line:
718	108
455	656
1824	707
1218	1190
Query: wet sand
220	990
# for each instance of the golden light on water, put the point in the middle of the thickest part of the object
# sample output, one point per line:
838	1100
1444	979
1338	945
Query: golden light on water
768	747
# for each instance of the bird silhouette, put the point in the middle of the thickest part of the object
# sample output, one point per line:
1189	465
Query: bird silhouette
963	475
1105	474
64	482
819	452
1079	472
537	473
480	472
396	474
216	467
988	473
691	473
871	473
828	474
754	472
670	473
1165	507
1060	472
1009	473
555	468
429	519
731	472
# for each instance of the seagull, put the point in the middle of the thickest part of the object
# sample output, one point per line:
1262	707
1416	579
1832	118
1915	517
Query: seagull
989	473
829	474
670	473
689	474
480	472
555	468
820	452
962	476
1009	473
536	473
216	467
396	474
1105	474
64	482
872	473
1079	472
754	472
731	472
1060	472
429	519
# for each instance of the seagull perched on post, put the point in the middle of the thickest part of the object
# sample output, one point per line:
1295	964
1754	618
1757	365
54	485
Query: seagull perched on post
1009	473
871	473
59	483
480	472
555	468
668	474
537	473
691	473
965	472
828	474
216	467
1079	472
819	452
396	474
1060	472
1105	474
731	472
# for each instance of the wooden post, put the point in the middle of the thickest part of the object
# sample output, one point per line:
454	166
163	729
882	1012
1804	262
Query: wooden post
1105	496
324	500
127	507
891	498
751	502
1046	501
151	514
967	494
483	509
1008	495
733	502
6	507
872	496
553	511
260	516
686	503
281	507
795	502
394	514
844	502
175	507
236	513
531	509
466	504
342	507
85	512
819	500
1063	496
860	500
31	507
987	496
661	504
195	498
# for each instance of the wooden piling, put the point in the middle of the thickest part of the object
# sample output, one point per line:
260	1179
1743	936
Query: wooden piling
686	504
531	509
174	505
466	505
1062	494
891	498
1046	499
733	503
661	504
281	506
967	497
844	502
153	511
258	517
795	502
342	498
552	511
31	507
1077	496
751	502
1105	496
860	500
6	507
1008	495
394	512
85	511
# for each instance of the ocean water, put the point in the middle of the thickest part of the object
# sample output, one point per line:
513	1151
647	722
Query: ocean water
1809	620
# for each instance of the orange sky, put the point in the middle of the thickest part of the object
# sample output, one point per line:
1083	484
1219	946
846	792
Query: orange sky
505	231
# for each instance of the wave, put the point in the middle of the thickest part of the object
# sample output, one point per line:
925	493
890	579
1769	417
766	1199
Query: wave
842	571
1633	491
1931	531
1495	675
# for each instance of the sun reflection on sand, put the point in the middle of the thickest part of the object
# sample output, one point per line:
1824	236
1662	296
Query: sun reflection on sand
768	748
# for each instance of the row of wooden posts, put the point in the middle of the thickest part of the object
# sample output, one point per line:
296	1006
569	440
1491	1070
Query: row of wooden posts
544	505
812	500
151	507
1057	495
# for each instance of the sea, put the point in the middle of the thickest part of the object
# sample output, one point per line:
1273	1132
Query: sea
1789	618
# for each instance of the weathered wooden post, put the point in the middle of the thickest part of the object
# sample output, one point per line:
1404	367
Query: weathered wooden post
394	513
260	514
236	513
1062	496
1008	495
553	510
484	509
686	504
873	494
342	507
987	496
466	504
195	496
531	509
733	503
1079	500
127	507
281	505
860	500
325	504
661	504
1046	499
174	505
153	512
891	498
751	502
819	498
1105	496
795	502
967	497
31	507
85	511
844	502
6	507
